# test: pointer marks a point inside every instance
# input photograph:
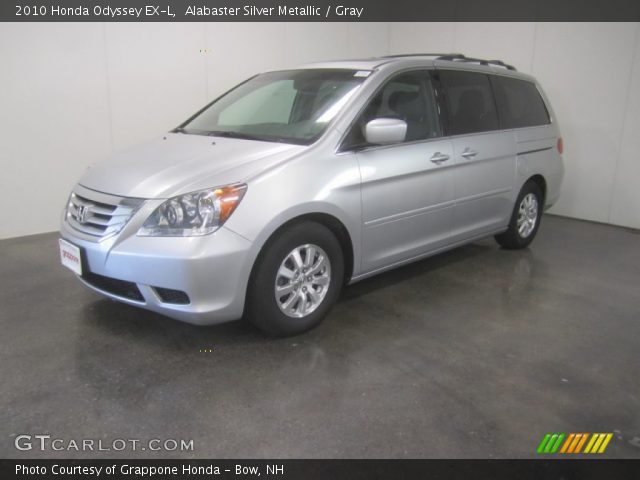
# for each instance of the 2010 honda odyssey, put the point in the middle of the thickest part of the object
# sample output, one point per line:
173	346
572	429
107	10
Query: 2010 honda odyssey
272	197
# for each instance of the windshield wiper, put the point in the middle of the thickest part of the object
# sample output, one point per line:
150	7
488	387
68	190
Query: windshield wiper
179	130
228	134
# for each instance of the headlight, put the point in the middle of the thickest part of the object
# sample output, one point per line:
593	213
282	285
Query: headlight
193	214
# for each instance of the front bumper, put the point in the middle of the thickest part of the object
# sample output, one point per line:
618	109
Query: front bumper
212	270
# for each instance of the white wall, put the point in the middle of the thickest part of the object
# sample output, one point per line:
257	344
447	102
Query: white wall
591	72
72	94
54	118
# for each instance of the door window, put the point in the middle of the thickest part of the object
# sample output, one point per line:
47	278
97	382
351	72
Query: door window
470	102
408	97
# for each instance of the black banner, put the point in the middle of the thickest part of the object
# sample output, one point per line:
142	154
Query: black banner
317	10
538	469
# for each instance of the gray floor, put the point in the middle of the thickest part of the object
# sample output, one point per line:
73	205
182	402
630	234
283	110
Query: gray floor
475	353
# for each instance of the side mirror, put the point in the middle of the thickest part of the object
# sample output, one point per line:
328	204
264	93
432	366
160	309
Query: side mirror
385	131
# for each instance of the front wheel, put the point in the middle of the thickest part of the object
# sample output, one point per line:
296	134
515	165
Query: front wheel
296	280
525	219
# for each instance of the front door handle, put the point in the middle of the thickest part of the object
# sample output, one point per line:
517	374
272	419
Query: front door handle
468	153
438	158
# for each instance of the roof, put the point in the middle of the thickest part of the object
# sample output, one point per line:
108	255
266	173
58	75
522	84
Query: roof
397	62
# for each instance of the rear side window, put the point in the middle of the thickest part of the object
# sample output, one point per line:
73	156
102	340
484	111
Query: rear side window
519	103
470	102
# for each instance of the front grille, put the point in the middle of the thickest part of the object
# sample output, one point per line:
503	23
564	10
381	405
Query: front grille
120	288
168	295
99	215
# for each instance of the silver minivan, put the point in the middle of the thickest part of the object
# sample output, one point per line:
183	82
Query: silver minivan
296	182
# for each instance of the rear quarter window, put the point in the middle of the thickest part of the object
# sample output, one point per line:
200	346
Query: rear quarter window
519	103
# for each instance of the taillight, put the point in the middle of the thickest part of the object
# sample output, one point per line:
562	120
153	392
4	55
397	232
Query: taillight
560	145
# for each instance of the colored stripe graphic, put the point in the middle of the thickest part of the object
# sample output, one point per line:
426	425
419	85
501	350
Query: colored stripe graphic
555	447
576	439
606	442
597	443
568	442
543	443
581	443
591	442
550	443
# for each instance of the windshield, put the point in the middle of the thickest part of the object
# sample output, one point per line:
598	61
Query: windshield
293	106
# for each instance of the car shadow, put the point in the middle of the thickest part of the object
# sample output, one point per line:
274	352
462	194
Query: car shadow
114	318
121	348
415	269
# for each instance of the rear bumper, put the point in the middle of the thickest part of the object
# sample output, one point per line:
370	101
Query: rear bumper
211	270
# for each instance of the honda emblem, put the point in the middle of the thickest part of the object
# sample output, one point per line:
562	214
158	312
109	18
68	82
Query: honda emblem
83	211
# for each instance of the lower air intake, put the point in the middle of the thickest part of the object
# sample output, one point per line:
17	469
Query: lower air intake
168	295
120	288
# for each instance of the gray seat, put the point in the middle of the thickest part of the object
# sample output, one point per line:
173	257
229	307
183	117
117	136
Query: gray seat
471	110
409	107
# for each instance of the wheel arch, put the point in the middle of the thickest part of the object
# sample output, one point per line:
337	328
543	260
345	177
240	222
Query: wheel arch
332	222
539	180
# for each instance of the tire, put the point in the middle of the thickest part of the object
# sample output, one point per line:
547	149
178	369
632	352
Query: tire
528	208
293	308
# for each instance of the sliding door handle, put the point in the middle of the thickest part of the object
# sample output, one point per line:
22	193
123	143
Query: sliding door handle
438	158
468	153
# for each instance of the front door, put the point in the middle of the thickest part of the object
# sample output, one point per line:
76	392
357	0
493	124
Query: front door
407	188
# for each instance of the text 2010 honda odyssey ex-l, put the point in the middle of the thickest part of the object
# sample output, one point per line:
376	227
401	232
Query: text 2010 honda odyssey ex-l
272	197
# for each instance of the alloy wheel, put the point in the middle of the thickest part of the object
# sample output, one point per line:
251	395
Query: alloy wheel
302	281
527	215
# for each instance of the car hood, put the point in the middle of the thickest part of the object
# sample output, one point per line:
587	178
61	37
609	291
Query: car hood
178	163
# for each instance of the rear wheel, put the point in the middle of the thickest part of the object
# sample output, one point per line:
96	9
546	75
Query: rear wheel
296	280
525	219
